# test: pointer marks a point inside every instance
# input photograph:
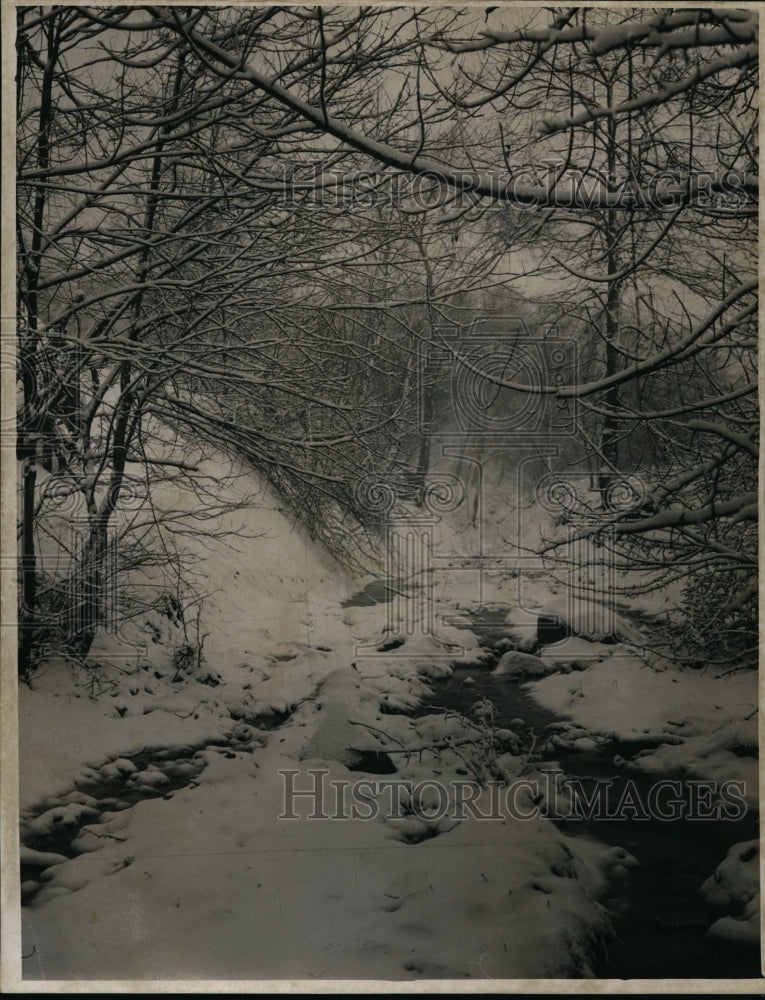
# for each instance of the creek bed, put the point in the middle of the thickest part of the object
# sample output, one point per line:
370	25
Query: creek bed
178	767
659	918
53	827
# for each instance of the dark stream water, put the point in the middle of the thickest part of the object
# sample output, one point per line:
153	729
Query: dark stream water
660	920
179	767
171	769
659	917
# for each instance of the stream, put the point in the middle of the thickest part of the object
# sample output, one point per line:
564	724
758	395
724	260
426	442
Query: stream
150	773
659	918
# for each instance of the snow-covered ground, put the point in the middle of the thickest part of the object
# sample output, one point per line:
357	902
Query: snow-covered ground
193	869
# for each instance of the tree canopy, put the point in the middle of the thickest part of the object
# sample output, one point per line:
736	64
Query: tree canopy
243	224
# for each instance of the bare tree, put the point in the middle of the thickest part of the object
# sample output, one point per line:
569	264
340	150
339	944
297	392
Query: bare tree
171	267
176	279
666	289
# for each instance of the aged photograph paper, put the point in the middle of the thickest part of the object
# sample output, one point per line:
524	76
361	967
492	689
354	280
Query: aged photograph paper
380	498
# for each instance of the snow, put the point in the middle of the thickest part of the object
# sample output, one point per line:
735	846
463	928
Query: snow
216	886
590	619
204	878
698	720
64	735
735	889
514	665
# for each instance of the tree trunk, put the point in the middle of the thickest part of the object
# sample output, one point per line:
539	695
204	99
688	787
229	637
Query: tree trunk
90	610
32	417
609	438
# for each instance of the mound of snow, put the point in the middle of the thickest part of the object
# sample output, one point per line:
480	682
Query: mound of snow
514	666
734	889
591	619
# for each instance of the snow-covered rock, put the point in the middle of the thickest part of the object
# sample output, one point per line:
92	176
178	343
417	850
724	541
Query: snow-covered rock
515	665
590	619
734	889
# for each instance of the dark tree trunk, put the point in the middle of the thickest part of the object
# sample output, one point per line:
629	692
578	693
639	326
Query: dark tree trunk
32	417
609	437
